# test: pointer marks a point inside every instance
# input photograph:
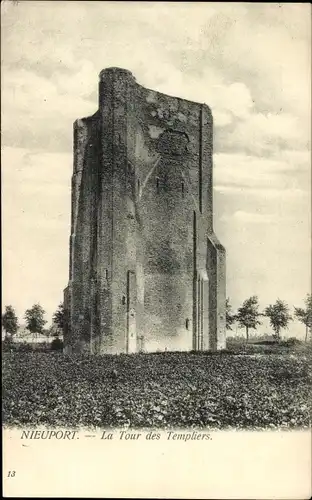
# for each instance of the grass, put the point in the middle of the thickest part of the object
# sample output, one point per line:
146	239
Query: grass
161	390
261	345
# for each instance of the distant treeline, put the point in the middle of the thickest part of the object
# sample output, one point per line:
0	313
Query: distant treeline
247	316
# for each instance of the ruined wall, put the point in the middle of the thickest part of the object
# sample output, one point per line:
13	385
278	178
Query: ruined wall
147	271
83	239
165	149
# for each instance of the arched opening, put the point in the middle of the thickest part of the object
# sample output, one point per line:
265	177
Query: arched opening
157	185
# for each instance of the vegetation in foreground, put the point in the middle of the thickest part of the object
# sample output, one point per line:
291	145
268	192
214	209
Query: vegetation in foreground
161	390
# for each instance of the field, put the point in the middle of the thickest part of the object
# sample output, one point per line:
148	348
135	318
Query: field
161	390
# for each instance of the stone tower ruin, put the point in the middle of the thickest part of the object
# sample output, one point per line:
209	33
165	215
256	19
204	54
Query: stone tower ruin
146	269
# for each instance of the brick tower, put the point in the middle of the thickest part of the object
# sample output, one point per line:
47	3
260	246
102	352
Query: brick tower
146	269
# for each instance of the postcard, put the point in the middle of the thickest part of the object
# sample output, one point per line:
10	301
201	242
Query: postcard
157	307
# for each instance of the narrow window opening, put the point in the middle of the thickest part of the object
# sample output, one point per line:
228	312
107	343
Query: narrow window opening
182	188
157	184
139	184
106	273
187	323
123	300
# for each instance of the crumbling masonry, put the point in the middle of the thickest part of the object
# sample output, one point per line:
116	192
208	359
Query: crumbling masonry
146	269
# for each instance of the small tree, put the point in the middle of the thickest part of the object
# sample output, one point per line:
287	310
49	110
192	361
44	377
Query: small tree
59	317
9	321
305	315
248	314
229	316
35	319
278	315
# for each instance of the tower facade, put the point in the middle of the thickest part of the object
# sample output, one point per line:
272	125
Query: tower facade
146	269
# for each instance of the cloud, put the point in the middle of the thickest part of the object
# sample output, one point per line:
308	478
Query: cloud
35	226
264	193
224	55
250	218
268	134
268	52
235	98
41	118
288	172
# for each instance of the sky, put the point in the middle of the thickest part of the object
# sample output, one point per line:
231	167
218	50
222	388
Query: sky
251	63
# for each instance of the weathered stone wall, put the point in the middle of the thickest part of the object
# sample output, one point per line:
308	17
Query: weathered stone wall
166	152
147	271
83	238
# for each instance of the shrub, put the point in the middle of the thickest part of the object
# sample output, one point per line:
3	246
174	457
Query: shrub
7	345
292	341
57	344
266	342
166	390
10	346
